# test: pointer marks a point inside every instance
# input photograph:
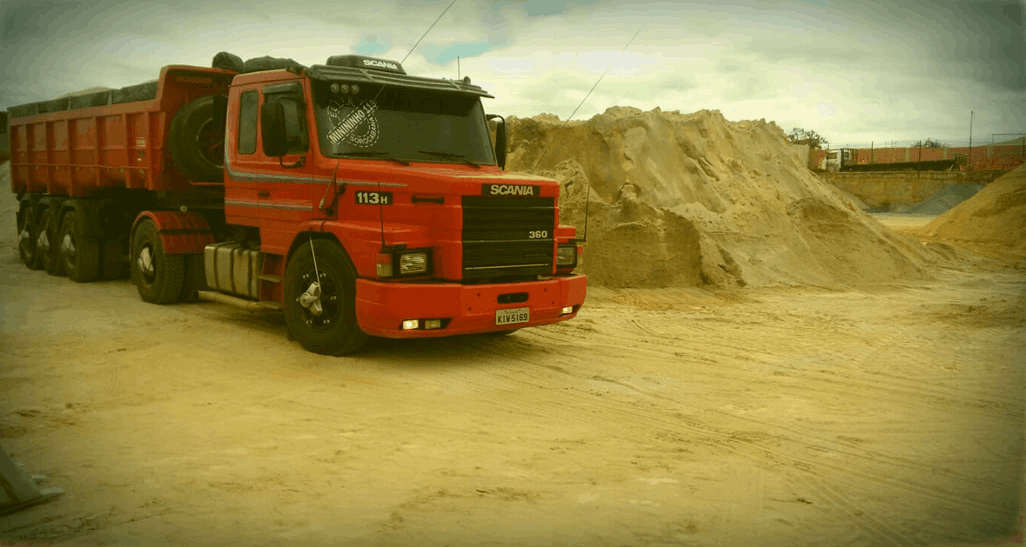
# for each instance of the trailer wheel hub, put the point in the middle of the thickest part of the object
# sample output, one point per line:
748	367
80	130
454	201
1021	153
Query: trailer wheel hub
43	242
68	245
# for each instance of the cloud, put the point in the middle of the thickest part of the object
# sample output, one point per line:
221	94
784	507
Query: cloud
372	44
443	55
882	69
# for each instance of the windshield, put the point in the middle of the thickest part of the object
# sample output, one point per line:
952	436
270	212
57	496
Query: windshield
401	124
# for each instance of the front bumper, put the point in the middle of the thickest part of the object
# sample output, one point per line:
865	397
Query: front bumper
382	307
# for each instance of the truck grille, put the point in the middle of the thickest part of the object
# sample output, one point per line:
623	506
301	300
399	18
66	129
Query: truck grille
496	237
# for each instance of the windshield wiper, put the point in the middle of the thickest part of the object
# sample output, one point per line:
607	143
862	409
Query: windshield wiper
373	154
450	155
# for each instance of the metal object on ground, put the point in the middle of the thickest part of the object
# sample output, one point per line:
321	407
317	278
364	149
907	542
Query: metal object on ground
19	489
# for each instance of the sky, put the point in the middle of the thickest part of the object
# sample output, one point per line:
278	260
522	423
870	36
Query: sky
880	71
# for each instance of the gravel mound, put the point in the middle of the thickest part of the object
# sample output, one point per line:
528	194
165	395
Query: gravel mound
944	199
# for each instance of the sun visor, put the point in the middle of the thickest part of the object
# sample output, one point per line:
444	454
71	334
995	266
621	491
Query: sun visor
364	76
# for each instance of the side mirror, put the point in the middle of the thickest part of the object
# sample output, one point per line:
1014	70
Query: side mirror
500	140
272	129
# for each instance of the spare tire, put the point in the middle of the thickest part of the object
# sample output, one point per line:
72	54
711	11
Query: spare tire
196	138
228	61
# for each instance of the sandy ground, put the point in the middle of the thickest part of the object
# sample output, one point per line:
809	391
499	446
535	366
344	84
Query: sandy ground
903	223
884	416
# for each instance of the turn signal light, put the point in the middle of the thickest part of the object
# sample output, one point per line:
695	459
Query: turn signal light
384	265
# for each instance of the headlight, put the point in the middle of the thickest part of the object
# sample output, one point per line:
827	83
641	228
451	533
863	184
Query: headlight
566	255
413	263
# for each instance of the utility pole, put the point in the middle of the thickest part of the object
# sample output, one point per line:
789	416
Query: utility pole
459	76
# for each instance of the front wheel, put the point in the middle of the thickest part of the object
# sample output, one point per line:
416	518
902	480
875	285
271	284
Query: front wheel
158	276
320	302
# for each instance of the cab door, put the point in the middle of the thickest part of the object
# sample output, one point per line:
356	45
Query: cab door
272	193
241	203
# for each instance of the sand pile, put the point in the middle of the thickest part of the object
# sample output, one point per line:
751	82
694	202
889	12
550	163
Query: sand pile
686	199
995	216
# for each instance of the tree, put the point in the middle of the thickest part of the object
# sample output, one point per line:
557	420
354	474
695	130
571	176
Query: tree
803	136
929	143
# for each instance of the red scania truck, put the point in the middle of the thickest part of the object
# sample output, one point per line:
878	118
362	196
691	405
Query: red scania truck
359	200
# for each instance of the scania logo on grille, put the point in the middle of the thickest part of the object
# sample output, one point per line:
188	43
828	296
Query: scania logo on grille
510	190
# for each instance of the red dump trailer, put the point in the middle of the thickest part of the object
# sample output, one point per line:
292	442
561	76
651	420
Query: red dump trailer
357	199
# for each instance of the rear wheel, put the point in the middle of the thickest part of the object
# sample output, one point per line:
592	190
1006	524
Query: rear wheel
79	253
46	244
320	302
28	232
157	275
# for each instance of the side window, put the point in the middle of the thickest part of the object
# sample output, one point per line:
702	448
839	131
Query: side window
248	122
290	96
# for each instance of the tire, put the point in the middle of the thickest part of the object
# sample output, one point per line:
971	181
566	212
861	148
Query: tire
335	331
228	61
46	244
195	278
196	138
112	261
160	282
80	254
28	233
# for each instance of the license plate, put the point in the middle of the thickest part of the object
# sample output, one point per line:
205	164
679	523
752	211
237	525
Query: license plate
515	315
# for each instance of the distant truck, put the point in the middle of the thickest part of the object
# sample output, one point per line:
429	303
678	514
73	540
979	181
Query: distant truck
845	159
357	199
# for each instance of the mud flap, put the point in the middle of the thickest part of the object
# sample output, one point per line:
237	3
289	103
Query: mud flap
19	488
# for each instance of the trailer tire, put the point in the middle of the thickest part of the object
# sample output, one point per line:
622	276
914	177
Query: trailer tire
28	232
195	278
196	138
112	261
79	253
46	243
157	275
335	331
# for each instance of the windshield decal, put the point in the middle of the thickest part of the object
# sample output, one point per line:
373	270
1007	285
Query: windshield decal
347	118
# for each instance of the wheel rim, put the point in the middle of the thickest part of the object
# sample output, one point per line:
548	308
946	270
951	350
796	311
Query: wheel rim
210	142
69	250
26	244
147	263
330	300
43	240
